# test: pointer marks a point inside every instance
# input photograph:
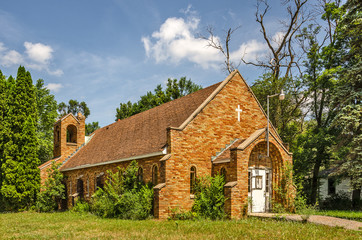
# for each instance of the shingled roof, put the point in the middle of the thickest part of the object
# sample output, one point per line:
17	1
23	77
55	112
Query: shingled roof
141	134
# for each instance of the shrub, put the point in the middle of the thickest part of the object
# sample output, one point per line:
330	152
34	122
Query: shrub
209	197
123	196
81	207
180	214
53	191
338	201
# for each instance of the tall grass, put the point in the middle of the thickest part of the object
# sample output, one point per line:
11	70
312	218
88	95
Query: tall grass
68	225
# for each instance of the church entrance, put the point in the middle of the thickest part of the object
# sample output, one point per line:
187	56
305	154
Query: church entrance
259	189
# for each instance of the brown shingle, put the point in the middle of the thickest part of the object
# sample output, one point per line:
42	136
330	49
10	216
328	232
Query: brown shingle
140	134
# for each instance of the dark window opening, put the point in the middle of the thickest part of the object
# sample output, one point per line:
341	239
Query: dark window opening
223	173
331	186
72	134
57	135
267	182
99	182
140	175
154	175
192	179
80	189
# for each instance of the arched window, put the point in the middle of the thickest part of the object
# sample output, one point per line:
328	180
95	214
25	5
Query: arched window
192	179
72	134
140	174
80	188
223	173
99	181
154	175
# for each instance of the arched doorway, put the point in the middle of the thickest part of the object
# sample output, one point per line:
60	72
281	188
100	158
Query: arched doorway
261	172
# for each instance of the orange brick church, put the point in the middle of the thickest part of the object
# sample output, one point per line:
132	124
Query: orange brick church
219	129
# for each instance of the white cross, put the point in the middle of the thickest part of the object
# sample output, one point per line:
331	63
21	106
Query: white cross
239	111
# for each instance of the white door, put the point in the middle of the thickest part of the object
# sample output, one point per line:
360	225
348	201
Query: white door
258	177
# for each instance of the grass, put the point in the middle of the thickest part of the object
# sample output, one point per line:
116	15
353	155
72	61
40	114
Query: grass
68	225
353	215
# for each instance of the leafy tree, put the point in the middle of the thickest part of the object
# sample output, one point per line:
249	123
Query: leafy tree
52	192
47	114
91	127
21	176
348	98
73	107
175	89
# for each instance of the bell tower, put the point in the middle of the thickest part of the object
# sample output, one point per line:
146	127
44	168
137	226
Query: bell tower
69	134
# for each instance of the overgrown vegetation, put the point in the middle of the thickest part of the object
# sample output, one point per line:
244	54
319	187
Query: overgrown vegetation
123	196
52	192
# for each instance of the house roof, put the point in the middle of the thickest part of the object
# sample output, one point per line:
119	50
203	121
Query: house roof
141	134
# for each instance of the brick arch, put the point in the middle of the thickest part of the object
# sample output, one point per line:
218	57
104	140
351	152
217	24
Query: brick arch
258	156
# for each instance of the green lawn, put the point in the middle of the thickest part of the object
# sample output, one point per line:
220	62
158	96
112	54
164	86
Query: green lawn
357	216
69	225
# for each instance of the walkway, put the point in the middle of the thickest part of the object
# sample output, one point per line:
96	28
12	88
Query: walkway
324	220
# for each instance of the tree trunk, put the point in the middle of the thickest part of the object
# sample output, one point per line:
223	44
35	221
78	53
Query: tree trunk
314	187
356	199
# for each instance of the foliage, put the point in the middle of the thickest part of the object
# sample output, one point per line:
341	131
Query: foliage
338	201
19	168
123	196
180	214
73	107
91	127
209	197
283	197
81	207
52	192
47	114
175	89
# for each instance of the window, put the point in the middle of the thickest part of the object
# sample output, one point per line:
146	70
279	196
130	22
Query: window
331	186
258	182
99	181
223	173
140	175
192	179
80	189
72	134
267	182
249	180
154	175
88	186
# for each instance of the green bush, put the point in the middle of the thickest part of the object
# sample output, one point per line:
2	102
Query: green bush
123	196
81	207
53	191
338	201
209	197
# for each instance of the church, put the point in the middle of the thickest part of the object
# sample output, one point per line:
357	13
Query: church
221	129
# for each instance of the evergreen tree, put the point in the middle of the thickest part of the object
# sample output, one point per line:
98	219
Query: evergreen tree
21	179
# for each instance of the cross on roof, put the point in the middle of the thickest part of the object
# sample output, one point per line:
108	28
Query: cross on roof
239	111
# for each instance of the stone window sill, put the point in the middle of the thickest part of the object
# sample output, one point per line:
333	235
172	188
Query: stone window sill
192	196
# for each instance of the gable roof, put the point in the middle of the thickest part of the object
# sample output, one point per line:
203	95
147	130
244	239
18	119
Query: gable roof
142	134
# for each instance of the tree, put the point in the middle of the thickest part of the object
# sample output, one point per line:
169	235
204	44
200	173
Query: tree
73	107
53	191
91	127
21	176
175	89
348	98
47	114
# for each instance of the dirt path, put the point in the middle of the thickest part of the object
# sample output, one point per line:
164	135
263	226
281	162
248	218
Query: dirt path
317	219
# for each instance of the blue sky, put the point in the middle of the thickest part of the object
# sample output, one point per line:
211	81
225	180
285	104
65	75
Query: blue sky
107	52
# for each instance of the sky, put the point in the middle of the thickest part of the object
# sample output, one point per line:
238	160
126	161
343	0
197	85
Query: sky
113	51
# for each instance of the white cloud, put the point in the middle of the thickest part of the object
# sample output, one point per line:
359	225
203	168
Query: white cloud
277	38
36	56
249	51
175	41
10	58
38	52
54	86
